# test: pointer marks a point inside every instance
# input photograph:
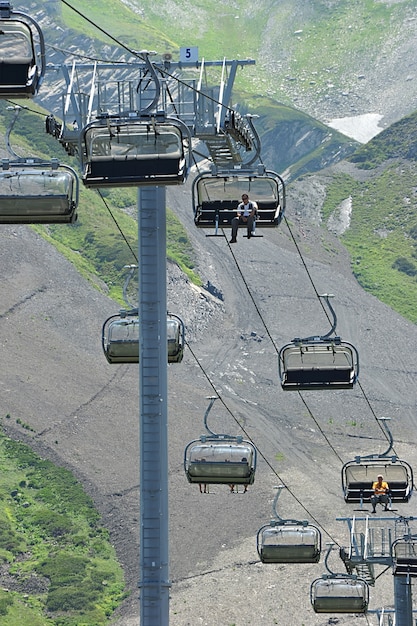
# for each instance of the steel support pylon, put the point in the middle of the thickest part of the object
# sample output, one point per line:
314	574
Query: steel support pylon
154	582
403	601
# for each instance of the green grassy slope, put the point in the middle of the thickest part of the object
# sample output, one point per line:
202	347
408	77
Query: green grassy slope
61	560
382	238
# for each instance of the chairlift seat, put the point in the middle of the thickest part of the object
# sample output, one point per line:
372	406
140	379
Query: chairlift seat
339	595
308	376
220	463
19	75
221	212
120	339
37	196
125	171
405	567
317	365
289	544
14	75
358	478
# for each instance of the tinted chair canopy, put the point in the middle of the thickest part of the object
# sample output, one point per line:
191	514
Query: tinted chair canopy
220	460
22	54
339	593
120	338
125	152
289	542
33	192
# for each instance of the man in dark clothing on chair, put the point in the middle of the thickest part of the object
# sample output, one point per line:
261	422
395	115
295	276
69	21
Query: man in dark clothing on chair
246	213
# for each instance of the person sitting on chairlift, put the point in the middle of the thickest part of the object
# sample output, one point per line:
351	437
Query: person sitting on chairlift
380	488
246	213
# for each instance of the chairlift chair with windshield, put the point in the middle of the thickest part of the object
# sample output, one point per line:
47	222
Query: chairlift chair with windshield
135	151
120	333
318	362
339	593
36	192
288	540
120	337
219	458
22	54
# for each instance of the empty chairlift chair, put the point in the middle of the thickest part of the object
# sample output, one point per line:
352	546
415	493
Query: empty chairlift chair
131	152
33	192
359	474
319	362
339	593
217	195
120	338
288	541
220	459
404	553
22	54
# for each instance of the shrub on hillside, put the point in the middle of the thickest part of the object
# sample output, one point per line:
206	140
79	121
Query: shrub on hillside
404	265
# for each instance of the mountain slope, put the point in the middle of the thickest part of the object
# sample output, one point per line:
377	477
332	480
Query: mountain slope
84	412
329	59
369	200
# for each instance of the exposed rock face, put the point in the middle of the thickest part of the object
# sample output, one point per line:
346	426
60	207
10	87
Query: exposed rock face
308	145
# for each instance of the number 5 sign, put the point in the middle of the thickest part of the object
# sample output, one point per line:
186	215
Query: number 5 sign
189	55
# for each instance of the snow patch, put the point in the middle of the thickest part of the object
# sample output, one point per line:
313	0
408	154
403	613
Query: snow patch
360	127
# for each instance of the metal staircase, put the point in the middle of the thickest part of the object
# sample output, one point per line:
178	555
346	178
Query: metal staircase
223	150
365	571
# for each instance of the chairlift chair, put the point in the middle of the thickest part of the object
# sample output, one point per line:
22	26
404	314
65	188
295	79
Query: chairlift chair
220	458
120	338
217	195
339	593
289	542
359	474
126	152
404	553
307	364
318	362
22	54
34	192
